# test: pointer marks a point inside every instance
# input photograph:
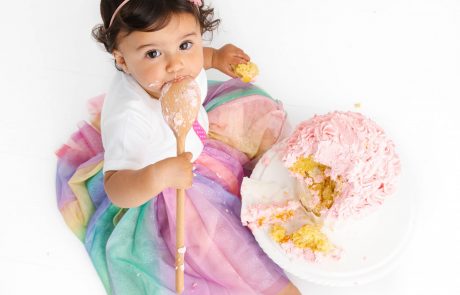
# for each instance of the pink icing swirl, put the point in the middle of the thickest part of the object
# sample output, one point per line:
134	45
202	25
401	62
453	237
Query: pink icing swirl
357	150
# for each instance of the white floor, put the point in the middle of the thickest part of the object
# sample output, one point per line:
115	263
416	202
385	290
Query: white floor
399	58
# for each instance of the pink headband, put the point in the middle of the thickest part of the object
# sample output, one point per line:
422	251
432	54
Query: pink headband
116	12
196	2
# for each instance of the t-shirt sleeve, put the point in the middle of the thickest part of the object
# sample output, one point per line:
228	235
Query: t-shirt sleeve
126	143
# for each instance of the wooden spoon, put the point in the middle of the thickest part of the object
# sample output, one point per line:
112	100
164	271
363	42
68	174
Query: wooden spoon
180	103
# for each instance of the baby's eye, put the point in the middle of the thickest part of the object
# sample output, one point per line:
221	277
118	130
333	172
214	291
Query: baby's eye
186	45
153	54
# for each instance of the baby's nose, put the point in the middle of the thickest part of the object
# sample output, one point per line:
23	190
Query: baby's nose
175	64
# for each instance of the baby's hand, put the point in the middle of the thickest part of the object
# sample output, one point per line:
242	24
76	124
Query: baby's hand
180	171
227	57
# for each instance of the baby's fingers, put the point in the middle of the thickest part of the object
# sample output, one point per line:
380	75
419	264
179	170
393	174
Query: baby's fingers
238	60
238	52
228	70
187	155
243	56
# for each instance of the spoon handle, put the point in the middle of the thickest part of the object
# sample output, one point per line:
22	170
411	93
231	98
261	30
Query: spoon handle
180	232
180	228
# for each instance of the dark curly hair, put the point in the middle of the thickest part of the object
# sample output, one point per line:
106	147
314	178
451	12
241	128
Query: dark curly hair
147	16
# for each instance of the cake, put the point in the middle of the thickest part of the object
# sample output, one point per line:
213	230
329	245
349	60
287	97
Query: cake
247	72
343	165
296	233
344	162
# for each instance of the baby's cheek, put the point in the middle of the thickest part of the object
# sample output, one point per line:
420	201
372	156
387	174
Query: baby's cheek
198	59
153	80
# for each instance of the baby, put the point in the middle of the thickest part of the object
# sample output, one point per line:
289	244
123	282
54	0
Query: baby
129	224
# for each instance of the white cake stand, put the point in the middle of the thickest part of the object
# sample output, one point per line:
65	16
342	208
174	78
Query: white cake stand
371	244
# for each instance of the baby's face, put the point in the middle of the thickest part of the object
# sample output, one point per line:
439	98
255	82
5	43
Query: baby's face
155	58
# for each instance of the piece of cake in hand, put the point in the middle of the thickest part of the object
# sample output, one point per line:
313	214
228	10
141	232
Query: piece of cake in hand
247	72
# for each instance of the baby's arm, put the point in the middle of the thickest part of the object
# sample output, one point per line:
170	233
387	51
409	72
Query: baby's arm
132	188
223	58
208	55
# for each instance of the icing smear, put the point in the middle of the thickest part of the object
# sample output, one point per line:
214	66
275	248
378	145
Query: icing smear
180	101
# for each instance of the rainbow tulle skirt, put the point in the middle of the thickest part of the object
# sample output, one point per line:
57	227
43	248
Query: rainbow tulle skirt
133	250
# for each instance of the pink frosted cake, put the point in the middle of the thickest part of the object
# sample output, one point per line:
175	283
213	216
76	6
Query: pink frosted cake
343	165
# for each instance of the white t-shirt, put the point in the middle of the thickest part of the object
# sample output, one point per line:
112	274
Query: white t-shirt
134	133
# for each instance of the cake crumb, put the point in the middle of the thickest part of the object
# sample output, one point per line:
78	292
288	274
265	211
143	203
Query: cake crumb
357	105
266	161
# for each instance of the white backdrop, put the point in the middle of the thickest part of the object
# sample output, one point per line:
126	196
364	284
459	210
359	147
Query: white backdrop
399	58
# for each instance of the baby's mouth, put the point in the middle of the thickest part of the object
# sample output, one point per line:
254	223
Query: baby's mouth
175	80
180	78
